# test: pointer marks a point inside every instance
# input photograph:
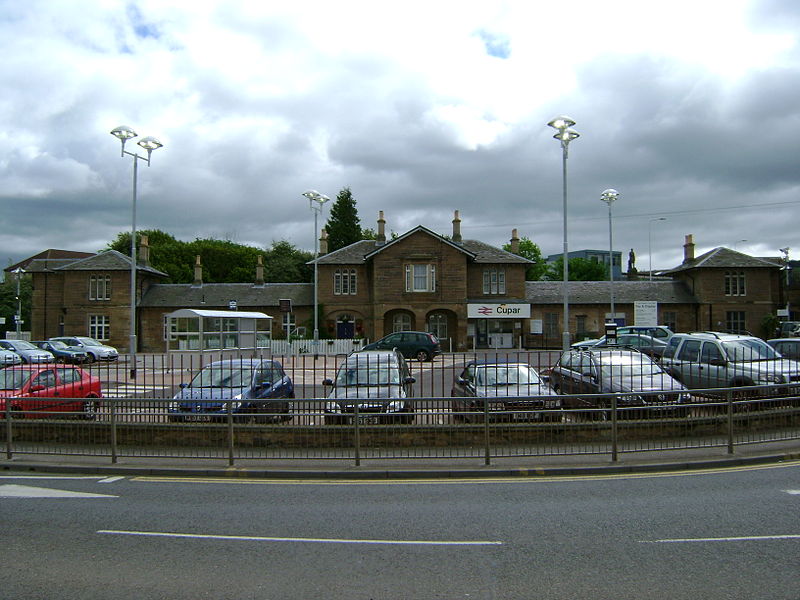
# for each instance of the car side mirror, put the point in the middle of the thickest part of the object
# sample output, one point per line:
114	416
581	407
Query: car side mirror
717	362
545	378
183	385
410	379
37	388
327	382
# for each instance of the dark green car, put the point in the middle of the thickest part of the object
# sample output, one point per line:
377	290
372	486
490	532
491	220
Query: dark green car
411	344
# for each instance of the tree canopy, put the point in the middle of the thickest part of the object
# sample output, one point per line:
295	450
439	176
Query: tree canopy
223	261
580	269
531	251
344	226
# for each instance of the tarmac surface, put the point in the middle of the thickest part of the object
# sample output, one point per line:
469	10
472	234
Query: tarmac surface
382	469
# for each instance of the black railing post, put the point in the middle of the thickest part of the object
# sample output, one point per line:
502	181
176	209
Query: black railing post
613	427
357	433
230	432
486	437
730	396
8	428
113	430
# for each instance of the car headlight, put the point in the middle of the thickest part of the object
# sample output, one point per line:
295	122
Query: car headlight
174	406
394	406
236	405
332	407
772	378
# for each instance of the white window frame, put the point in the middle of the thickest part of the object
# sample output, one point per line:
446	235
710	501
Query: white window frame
420	278
494	281
735	283
288	324
100	327
99	287
345	282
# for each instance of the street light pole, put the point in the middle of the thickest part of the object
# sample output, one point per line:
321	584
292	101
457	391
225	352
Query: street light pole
565	135
124	133
609	196
18	317
650	243
315	202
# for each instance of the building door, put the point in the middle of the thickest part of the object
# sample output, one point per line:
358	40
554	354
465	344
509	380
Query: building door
345	327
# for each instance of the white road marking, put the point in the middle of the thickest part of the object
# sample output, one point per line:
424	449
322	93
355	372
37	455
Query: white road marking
794	492
25	491
111	479
51	477
749	538
250	538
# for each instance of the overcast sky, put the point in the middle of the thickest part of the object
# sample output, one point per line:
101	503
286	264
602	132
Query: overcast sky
690	109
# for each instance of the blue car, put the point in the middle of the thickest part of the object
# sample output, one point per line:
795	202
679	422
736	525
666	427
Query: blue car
257	390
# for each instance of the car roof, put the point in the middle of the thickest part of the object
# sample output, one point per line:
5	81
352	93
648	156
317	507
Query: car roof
716	335
243	362
497	363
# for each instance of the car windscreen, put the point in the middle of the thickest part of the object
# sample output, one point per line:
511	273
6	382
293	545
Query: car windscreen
749	350
89	341
58	345
13	380
368	374
491	375
23	345
611	368
223	376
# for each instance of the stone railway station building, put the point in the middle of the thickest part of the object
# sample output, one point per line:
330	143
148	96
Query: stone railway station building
469	293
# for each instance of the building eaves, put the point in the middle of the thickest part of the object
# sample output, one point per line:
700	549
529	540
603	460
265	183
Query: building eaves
349	255
598	292
108	260
51	254
484	253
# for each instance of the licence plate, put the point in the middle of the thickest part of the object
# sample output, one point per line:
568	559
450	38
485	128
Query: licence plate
198	418
368	419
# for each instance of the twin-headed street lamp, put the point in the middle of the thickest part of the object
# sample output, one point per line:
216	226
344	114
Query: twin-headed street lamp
315	202
18	317
125	133
609	196
565	135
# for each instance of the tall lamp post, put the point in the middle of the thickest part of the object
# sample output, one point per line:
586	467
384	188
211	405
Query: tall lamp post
18	317
565	135
124	133
609	196
650	244
316	201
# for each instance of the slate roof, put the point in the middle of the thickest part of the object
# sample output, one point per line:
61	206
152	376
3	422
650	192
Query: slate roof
49	256
185	295
479	252
724	258
597	292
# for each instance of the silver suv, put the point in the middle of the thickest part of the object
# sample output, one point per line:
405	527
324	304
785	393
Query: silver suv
717	360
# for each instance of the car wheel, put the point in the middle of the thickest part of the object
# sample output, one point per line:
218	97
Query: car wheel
422	355
90	358
90	409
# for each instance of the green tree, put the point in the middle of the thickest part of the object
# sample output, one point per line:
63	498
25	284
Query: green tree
9	304
344	226
580	269
284	263
531	251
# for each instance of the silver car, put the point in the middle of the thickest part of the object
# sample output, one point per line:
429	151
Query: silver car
27	351
718	360
94	349
7	357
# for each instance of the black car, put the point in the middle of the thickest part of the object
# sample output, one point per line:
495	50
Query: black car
377	384
504	390
62	352
580	374
788	347
411	344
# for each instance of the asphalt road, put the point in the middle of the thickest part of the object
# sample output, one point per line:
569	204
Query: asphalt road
710	535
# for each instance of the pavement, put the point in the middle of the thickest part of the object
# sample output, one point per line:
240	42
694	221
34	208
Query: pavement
413	468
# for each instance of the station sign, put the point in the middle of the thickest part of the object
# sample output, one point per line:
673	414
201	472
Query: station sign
498	311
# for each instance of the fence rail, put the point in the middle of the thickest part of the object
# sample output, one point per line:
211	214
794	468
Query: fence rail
135	418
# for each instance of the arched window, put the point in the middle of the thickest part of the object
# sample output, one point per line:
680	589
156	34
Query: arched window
437	325
401	322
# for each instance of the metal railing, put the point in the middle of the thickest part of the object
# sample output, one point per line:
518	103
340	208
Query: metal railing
138	418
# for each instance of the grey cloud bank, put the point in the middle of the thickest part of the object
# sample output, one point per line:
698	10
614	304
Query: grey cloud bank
690	110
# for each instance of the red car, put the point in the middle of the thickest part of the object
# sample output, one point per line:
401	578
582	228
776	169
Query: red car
39	390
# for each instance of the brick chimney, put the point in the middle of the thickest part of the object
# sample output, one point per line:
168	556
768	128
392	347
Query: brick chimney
143	256
198	272
260	272
323	241
514	242
688	249
456	228
381	237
